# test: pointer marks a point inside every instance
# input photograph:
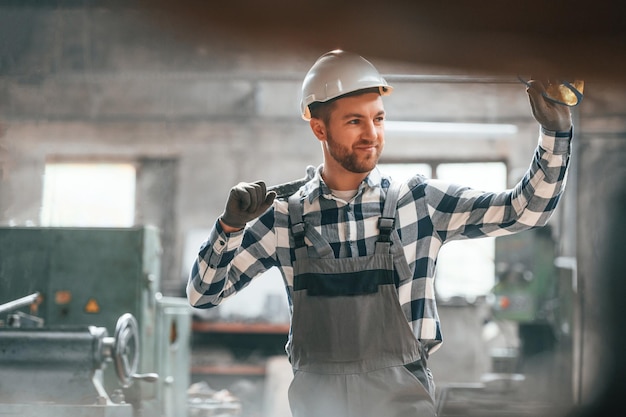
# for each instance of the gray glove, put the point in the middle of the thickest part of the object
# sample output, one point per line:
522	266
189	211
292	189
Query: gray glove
246	202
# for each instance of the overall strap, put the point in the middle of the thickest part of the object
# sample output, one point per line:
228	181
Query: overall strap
299	229
387	220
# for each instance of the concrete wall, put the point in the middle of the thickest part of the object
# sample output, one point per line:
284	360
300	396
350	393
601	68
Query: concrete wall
102	85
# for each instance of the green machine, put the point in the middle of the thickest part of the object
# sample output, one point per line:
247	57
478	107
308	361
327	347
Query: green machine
525	276
532	290
90	277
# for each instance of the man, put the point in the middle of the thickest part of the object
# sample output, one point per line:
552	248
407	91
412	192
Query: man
357	251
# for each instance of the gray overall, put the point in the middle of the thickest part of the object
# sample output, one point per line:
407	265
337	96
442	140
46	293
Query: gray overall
351	348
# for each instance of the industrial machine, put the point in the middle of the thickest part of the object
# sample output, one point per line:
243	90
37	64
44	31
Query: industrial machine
525	275
92	299
531	290
534	293
535	289
58	372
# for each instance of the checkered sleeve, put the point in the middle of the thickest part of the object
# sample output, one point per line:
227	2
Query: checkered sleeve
226	263
461	212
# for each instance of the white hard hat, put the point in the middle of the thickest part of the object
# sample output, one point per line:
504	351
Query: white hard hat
337	73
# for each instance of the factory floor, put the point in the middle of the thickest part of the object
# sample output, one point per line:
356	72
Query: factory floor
470	382
243	395
494	395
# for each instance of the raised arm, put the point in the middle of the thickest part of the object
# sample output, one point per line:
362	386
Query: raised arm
460	212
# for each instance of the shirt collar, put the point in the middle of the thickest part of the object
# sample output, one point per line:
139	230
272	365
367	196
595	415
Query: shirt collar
316	187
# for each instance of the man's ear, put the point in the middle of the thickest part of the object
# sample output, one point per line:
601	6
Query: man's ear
319	128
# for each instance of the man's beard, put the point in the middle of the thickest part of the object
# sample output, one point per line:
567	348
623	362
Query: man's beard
350	160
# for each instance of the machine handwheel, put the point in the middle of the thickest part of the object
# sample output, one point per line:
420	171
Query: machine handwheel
126	348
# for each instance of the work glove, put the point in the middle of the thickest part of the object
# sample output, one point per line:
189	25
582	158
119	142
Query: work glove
551	116
246	202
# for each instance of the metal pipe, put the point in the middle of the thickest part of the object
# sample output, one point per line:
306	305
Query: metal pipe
20	302
287	76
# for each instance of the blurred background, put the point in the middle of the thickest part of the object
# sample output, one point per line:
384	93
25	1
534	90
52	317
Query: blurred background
123	124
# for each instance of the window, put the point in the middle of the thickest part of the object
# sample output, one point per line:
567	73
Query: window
88	195
464	268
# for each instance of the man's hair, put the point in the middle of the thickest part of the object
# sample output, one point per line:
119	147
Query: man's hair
323	110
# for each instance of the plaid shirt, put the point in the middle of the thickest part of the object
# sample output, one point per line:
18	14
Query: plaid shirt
430	213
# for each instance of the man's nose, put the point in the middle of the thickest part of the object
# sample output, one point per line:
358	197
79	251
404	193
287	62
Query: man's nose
370	130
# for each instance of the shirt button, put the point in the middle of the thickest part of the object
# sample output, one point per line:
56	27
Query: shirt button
221	242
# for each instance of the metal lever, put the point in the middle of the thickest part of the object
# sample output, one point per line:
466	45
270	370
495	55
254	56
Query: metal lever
20	302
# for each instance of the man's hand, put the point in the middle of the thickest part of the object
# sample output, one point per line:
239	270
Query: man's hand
551	116
246	202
